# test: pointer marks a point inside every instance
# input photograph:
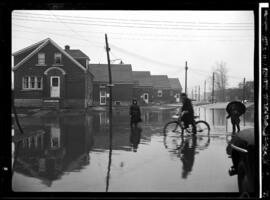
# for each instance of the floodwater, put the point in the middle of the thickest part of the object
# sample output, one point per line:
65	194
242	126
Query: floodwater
75	153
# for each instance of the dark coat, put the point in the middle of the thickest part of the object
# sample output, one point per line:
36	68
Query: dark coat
135	113
187	106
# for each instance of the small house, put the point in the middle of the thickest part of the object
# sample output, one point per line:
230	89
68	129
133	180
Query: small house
176	90
161	88
122	81
45	75
143	87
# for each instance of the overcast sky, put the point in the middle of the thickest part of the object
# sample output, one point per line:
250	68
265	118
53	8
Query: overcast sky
157	41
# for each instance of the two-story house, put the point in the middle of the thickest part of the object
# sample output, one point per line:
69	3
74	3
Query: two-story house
47	75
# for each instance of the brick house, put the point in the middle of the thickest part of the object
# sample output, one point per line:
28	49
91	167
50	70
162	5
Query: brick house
143	87
122	81
47	75
176	90
161	88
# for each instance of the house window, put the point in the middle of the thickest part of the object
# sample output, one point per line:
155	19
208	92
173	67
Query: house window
39	82
171	93
58	58
159	93
41	58
32	82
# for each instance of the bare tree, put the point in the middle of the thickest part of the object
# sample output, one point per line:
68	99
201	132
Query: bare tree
221	80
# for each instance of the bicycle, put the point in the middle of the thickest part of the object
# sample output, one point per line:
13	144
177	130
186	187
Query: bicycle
202	127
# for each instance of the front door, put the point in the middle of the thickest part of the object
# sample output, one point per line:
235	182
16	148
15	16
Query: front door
146	98
102	97
55	86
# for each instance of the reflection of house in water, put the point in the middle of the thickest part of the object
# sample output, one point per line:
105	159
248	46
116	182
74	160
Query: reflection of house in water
63	147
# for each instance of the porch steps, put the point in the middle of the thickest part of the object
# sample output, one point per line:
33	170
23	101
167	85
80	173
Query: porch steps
51	103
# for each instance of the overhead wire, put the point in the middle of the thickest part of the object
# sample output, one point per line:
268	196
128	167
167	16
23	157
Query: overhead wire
129	26
122	20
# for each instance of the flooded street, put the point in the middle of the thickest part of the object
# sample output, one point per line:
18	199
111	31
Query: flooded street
73	154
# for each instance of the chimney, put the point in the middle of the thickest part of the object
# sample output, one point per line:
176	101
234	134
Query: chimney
67	47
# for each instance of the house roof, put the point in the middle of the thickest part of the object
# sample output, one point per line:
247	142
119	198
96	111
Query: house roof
76	53
38	47
175	83
142	78
121	73
33	47
161	81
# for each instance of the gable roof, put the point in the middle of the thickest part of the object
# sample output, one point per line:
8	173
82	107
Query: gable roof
41	45
121	73
175	83
76	53
142	78
160	81
33	47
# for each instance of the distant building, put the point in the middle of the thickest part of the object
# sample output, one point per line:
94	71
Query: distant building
47	75
176	90
143	87
122	81
161	88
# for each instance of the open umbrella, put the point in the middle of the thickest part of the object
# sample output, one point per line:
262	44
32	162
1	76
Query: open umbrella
236	105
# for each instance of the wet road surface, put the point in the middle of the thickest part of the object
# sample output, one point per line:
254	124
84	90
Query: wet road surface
73	154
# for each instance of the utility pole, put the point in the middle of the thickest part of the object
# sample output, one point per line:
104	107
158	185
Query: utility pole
186	68
213	87
205	90
110	84
244	83
195	93
199	95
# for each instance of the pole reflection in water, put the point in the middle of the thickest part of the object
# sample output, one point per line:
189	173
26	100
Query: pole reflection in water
109	162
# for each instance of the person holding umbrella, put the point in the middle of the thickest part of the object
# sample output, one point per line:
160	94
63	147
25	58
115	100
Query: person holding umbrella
235	109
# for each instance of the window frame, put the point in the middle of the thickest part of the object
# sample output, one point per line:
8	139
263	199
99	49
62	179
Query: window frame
39	59
27	83
159	93
55	58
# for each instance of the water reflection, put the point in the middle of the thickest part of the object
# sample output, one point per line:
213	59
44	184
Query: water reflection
71	143
184	147
217	118
135	137
187	155
63	147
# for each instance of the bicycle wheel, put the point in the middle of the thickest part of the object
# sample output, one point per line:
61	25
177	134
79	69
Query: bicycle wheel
171	127
202	128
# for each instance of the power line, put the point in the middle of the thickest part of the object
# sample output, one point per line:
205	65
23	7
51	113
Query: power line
144	20
128	26
142	57
189	38
145	39
147	34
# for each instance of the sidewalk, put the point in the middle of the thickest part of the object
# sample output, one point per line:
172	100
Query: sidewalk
222	105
